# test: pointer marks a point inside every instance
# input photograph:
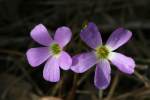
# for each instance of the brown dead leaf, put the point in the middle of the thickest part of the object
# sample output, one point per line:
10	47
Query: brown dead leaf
50	98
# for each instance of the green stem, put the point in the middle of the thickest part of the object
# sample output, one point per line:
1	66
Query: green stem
100	94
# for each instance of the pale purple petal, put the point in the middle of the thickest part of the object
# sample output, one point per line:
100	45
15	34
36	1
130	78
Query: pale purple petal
65	61
37	56
40	34
51	70
119	37
102	74
91	36
63	36
122	62
83	62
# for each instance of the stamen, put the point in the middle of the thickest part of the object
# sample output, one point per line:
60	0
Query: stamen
102	52
55	49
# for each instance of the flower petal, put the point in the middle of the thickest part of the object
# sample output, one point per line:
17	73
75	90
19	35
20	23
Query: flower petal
102	74
91	36
83	62
65	60
122	62
37	56
63	36
119	37
40	34
51	70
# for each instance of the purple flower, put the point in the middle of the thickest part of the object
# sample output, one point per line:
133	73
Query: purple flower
101	55
52	51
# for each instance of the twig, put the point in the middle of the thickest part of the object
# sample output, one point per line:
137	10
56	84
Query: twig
26	73
142	78
84	77
71	95
17	53
138	92
55	89
113	87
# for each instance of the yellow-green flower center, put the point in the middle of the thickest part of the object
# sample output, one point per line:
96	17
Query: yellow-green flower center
102	52
55	49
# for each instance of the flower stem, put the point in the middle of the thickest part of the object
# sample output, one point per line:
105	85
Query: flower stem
71	95
113	87
100	94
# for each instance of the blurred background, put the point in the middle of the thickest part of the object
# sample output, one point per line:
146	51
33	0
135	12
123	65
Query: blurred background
19	81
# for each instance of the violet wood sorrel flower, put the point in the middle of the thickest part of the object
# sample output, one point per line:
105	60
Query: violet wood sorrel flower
52	51
101	55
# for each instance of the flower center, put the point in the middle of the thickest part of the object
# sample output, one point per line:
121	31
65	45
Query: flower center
102	52
55	49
